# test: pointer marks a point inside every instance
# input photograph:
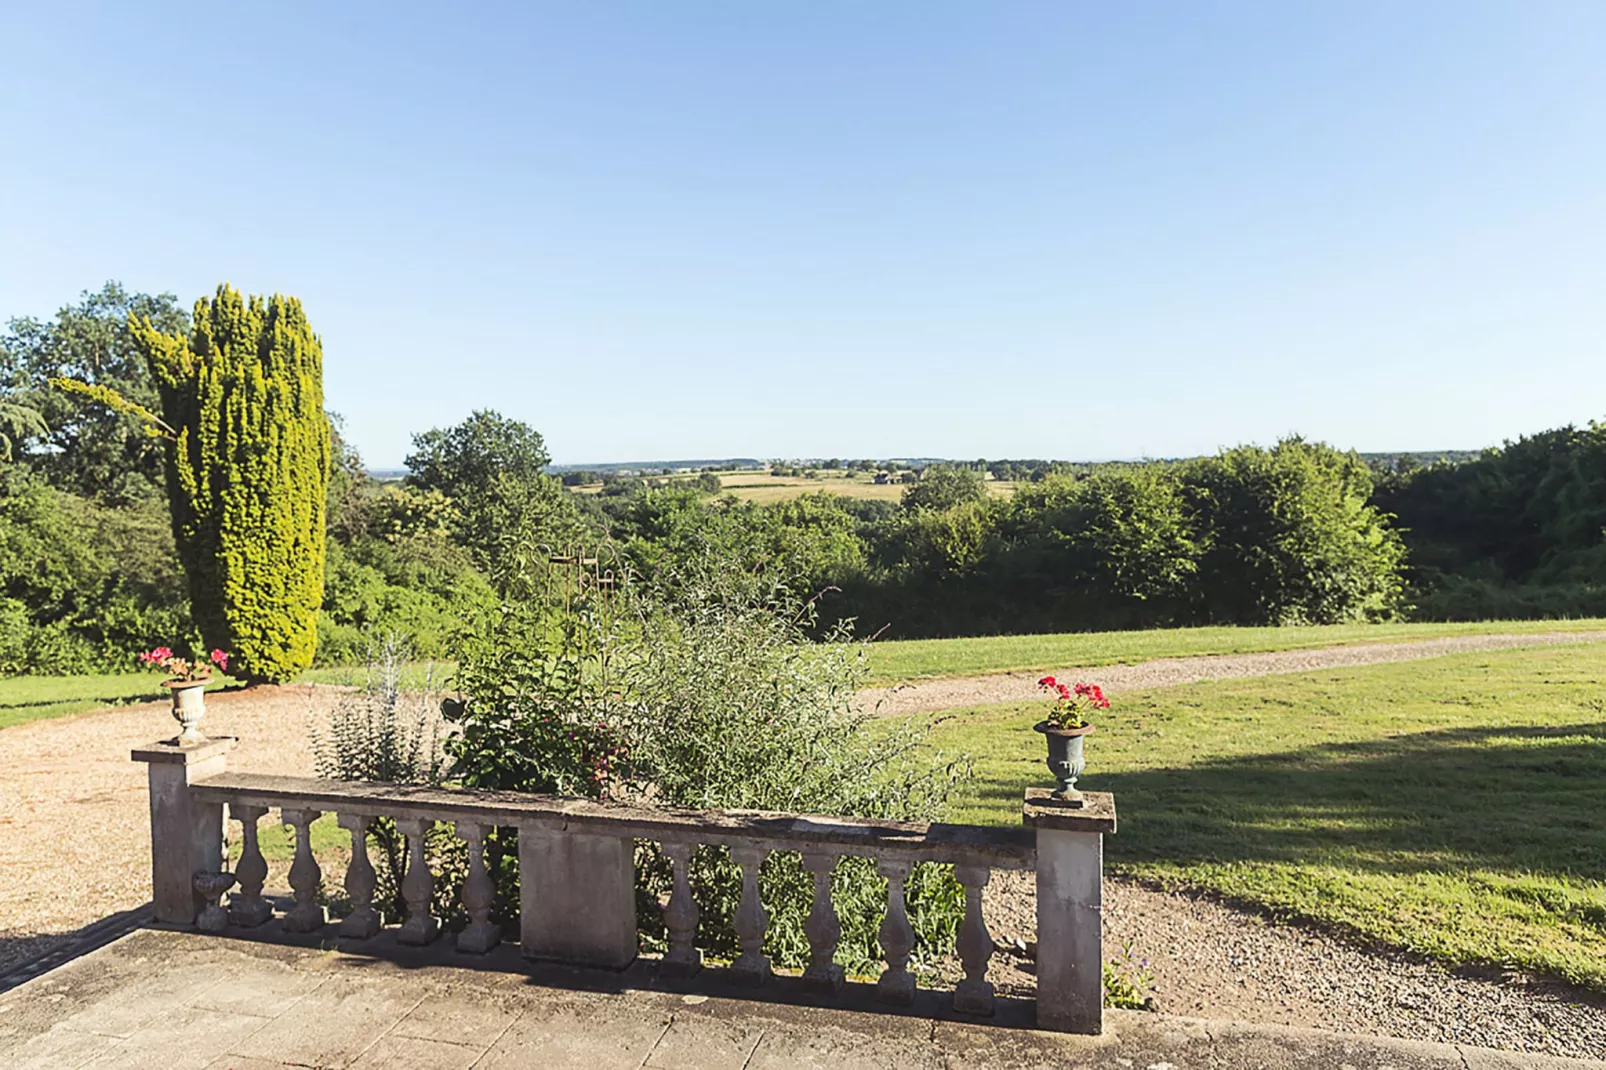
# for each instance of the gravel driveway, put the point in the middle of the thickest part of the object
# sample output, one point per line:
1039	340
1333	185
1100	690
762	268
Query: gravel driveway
75	847
1211	961
74	821
933	696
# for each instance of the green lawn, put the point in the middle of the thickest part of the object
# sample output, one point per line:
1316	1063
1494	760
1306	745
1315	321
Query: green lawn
1451	807
30	698
33	698
917	659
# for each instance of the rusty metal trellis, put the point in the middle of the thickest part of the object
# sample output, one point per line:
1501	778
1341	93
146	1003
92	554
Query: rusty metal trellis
577	573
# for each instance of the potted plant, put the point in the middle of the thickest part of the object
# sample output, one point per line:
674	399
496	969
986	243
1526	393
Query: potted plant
1064	727
186	680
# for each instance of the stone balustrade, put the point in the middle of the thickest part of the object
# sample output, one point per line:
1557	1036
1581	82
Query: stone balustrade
577	874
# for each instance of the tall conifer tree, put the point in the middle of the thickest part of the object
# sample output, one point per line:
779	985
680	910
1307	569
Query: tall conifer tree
247	471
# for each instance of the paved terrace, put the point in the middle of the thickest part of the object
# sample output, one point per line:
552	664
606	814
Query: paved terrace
185	1001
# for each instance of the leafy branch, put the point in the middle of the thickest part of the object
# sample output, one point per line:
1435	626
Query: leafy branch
18	422
155	426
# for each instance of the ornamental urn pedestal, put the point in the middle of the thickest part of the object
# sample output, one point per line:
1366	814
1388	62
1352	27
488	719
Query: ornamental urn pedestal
189	706
1065	759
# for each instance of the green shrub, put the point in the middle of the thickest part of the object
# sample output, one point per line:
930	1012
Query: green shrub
703	690
83	586
247	474
1287	536
381	733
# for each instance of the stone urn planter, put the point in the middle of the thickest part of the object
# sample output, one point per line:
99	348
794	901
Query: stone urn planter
1065	759
1065	727
189	706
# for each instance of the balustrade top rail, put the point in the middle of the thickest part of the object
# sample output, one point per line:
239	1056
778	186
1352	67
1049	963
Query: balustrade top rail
1000	848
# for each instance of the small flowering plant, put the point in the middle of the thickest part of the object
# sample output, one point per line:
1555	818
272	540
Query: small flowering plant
1071	702
185	670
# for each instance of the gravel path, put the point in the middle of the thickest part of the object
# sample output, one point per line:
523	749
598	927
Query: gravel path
75	847
1212	961
74	821
933	696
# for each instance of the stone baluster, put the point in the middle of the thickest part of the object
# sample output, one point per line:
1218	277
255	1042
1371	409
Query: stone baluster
681	916
751	920
306	877
247	908
974	995
210	887
479	894
364	920
418	886
822	927
897	984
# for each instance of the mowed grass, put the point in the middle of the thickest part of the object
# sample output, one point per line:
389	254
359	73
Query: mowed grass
34	698
1451	807
896	661
31	698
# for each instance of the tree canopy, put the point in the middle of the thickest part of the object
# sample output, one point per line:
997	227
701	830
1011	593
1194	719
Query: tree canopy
91	450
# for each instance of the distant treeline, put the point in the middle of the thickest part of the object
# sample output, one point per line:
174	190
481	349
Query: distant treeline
1295	533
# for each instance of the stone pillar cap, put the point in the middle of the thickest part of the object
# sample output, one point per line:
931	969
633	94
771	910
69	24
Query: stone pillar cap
1042	811
170	751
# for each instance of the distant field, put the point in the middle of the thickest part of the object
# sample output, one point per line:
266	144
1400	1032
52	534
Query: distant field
766	489
919	659
1448	807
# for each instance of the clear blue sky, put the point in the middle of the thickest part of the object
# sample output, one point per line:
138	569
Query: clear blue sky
998	229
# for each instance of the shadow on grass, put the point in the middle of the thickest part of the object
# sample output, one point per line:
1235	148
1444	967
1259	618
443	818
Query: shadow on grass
1517	800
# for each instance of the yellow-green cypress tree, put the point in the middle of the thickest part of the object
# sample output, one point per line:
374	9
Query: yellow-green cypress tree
247	471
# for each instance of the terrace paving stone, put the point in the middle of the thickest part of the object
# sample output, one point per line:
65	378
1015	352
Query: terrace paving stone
418	1054
705	1044
177	1001
185	1038
477	1019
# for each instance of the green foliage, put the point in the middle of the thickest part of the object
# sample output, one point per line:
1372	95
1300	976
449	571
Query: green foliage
247	474
492	470
812	539
1516	531
385	734
701	690
1252	536
18	423
392	566
91	450
1128	981
1118	547
466	460
943	486
83	586
1288	537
